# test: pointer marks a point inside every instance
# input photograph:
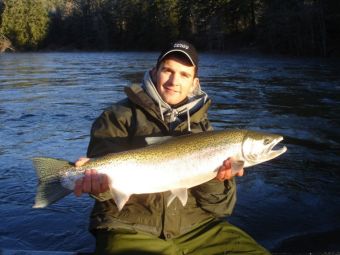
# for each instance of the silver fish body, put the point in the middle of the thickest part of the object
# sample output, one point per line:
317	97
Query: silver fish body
175	165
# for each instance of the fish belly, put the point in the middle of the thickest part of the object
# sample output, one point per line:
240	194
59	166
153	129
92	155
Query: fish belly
183	171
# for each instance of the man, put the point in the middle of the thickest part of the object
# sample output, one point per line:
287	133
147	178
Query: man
169	102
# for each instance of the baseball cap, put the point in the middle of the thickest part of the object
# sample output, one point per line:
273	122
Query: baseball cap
183	47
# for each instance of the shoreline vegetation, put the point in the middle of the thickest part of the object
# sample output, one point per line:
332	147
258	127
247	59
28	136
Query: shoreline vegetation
293	27
5	44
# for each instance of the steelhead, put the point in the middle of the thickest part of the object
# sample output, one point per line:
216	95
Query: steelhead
175	165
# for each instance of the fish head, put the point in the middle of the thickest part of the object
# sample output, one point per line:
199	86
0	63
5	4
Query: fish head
258	147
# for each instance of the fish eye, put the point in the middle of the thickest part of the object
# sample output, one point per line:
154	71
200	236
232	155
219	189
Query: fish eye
267	141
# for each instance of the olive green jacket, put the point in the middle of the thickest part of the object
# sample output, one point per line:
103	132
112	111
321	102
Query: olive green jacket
124	126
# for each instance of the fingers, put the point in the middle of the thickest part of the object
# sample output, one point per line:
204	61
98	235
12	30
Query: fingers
104	183
226	173
78	189
227	163
92	182
87	180
81	161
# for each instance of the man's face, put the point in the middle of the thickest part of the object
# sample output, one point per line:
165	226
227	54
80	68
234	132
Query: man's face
175	80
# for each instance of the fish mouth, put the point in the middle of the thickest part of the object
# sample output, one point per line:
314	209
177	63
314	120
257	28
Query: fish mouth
272	152
269	151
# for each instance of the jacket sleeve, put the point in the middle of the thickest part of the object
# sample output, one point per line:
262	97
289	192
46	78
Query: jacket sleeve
110	132
216	197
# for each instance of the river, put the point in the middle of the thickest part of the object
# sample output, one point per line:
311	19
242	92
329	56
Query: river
49	100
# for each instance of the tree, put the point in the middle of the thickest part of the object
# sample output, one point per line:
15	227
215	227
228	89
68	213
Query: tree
296	27
25	23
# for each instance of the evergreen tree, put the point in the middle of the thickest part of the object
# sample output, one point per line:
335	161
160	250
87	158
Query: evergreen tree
297	27
25	23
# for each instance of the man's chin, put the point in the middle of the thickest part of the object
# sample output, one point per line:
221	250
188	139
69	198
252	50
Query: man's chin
171	99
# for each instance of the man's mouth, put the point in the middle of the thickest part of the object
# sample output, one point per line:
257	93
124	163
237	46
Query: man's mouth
170	90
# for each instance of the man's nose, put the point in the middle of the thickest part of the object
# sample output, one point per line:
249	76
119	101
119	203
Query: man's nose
174	79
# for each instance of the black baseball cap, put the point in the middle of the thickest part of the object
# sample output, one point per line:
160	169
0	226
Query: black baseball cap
182	47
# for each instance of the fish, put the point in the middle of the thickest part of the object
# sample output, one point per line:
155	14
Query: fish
173	164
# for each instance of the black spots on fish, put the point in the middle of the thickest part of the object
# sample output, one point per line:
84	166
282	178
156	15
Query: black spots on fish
50	168
50	189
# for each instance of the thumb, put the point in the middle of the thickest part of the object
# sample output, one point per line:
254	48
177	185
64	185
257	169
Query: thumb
81	161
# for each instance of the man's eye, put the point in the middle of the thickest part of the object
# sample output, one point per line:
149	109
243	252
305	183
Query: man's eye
166	71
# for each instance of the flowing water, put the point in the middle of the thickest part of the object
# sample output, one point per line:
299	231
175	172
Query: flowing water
49	100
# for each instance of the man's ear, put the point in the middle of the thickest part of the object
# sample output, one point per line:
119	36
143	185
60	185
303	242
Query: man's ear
195	86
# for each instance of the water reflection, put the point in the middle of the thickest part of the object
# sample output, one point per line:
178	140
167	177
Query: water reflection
49	100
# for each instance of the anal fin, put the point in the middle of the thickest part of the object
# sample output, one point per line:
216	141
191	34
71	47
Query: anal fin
120	198
181	194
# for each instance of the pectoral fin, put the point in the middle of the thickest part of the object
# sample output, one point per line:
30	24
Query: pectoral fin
156	140
182	195
236	165
120	198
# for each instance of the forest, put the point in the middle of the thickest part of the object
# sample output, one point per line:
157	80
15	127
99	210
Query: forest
290	27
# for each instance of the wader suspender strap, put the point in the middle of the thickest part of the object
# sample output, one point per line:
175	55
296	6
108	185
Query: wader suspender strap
133	124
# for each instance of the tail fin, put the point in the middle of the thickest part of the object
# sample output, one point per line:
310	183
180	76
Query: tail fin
50	188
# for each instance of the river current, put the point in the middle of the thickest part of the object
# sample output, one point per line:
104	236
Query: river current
49	100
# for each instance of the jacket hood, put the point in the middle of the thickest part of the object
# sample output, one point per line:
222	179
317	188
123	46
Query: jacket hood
169	113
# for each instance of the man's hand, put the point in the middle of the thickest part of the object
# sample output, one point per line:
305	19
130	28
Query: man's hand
226	173
92	182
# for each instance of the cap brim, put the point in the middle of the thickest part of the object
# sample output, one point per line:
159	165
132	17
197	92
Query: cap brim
177	50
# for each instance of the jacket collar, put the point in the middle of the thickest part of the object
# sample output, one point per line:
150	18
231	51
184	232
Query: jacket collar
147	97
